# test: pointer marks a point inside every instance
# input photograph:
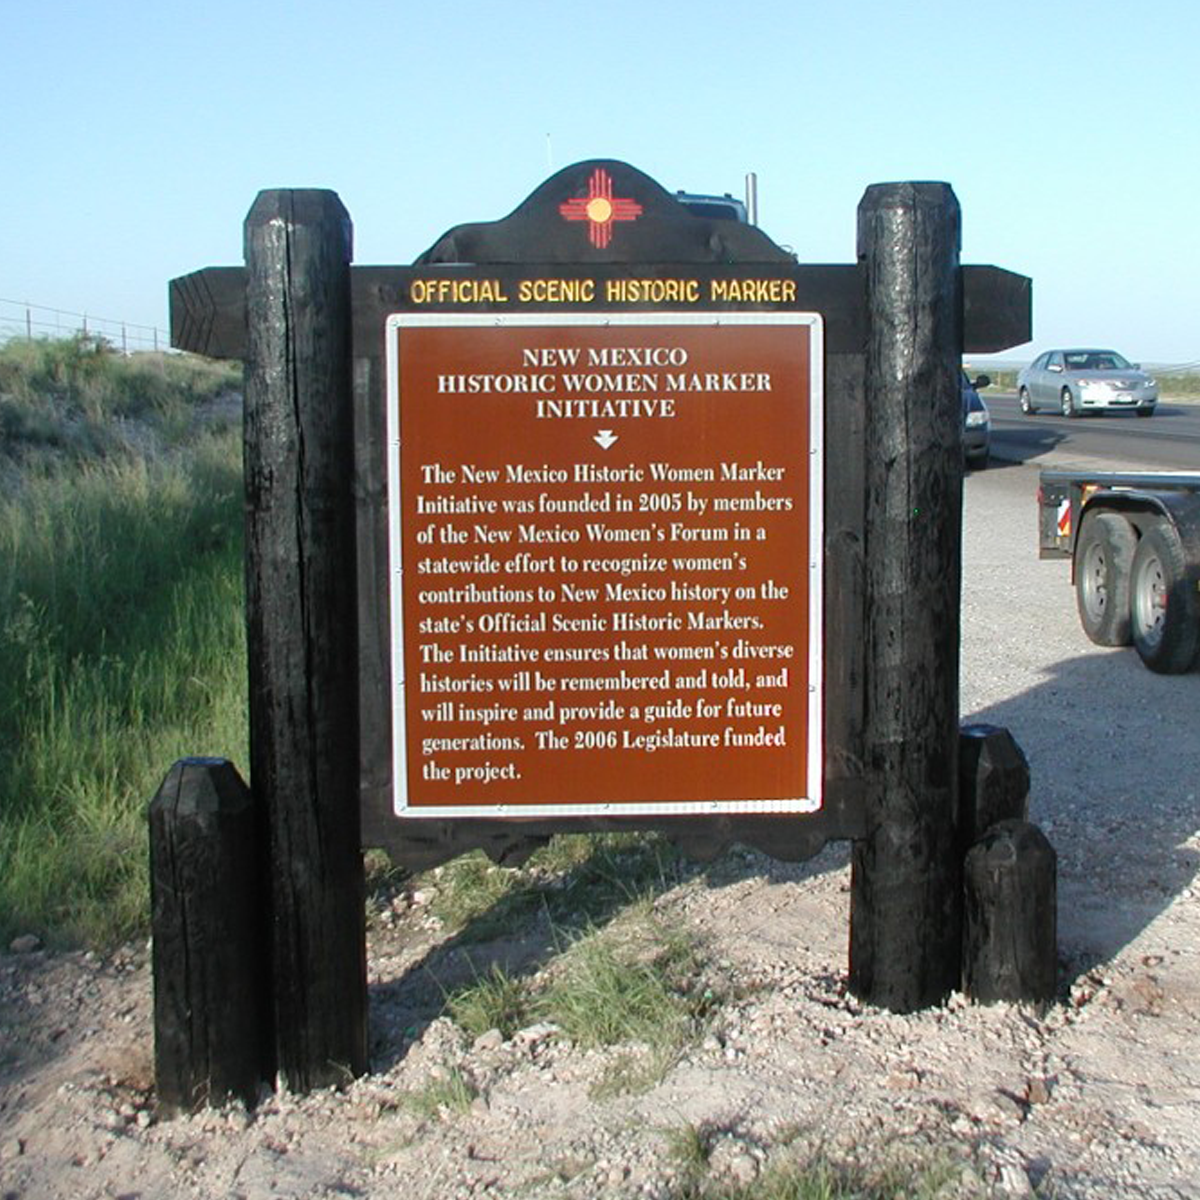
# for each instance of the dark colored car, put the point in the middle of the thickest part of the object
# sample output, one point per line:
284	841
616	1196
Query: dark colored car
977	423
715	208
1077	381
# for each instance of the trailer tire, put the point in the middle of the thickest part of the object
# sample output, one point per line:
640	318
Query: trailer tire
1103	567
1164	603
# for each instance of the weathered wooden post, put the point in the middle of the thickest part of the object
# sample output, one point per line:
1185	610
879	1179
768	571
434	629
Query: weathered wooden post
301	612
906	916
210	985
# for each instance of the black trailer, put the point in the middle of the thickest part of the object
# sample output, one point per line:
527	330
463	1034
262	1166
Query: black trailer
1133	539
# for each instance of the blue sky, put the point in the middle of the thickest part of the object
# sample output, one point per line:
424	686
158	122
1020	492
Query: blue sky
137	135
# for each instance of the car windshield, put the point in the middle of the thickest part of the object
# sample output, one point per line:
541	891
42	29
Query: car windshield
1095	360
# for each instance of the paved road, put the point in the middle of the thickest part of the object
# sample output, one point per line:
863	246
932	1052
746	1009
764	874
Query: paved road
1168	441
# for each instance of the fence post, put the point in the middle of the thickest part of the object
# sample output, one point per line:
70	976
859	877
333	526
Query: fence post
302	627
906	889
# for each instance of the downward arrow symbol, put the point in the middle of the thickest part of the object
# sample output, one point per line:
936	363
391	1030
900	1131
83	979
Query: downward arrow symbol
605	438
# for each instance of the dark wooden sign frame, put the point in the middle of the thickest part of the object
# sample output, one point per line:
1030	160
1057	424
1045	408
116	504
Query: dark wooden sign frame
310	328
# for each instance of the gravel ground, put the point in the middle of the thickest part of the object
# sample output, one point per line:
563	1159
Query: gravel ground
1096	1097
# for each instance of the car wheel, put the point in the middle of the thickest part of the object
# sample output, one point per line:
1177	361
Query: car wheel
1165	610
1103	565
1145	412
977	462
1027	405
1068	404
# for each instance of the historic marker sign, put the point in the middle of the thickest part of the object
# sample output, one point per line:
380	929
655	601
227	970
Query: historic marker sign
606	247
605	542
587	592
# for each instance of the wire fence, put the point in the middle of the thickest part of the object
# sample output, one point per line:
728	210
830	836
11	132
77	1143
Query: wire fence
20	318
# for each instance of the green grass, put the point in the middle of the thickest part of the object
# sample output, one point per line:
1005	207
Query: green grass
576	879
619	977
75	400
121	622
689	1147
496	1000
818	1177
637	981
636	984
443	1096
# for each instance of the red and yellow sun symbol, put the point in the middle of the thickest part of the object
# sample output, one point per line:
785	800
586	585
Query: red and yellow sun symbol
599	208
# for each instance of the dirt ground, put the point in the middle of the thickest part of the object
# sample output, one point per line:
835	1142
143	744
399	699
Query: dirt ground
1097	1096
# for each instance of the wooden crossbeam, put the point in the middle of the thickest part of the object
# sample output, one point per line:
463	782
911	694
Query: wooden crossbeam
208	307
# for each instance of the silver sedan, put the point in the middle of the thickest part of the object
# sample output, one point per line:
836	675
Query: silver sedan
1078	381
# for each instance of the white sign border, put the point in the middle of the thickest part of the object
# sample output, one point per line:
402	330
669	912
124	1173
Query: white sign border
811	802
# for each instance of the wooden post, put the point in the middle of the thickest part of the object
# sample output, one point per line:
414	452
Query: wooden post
1010	937
211	996
301	613
906	902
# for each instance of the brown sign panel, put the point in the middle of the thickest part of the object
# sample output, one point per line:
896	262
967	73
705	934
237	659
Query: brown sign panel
605	536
